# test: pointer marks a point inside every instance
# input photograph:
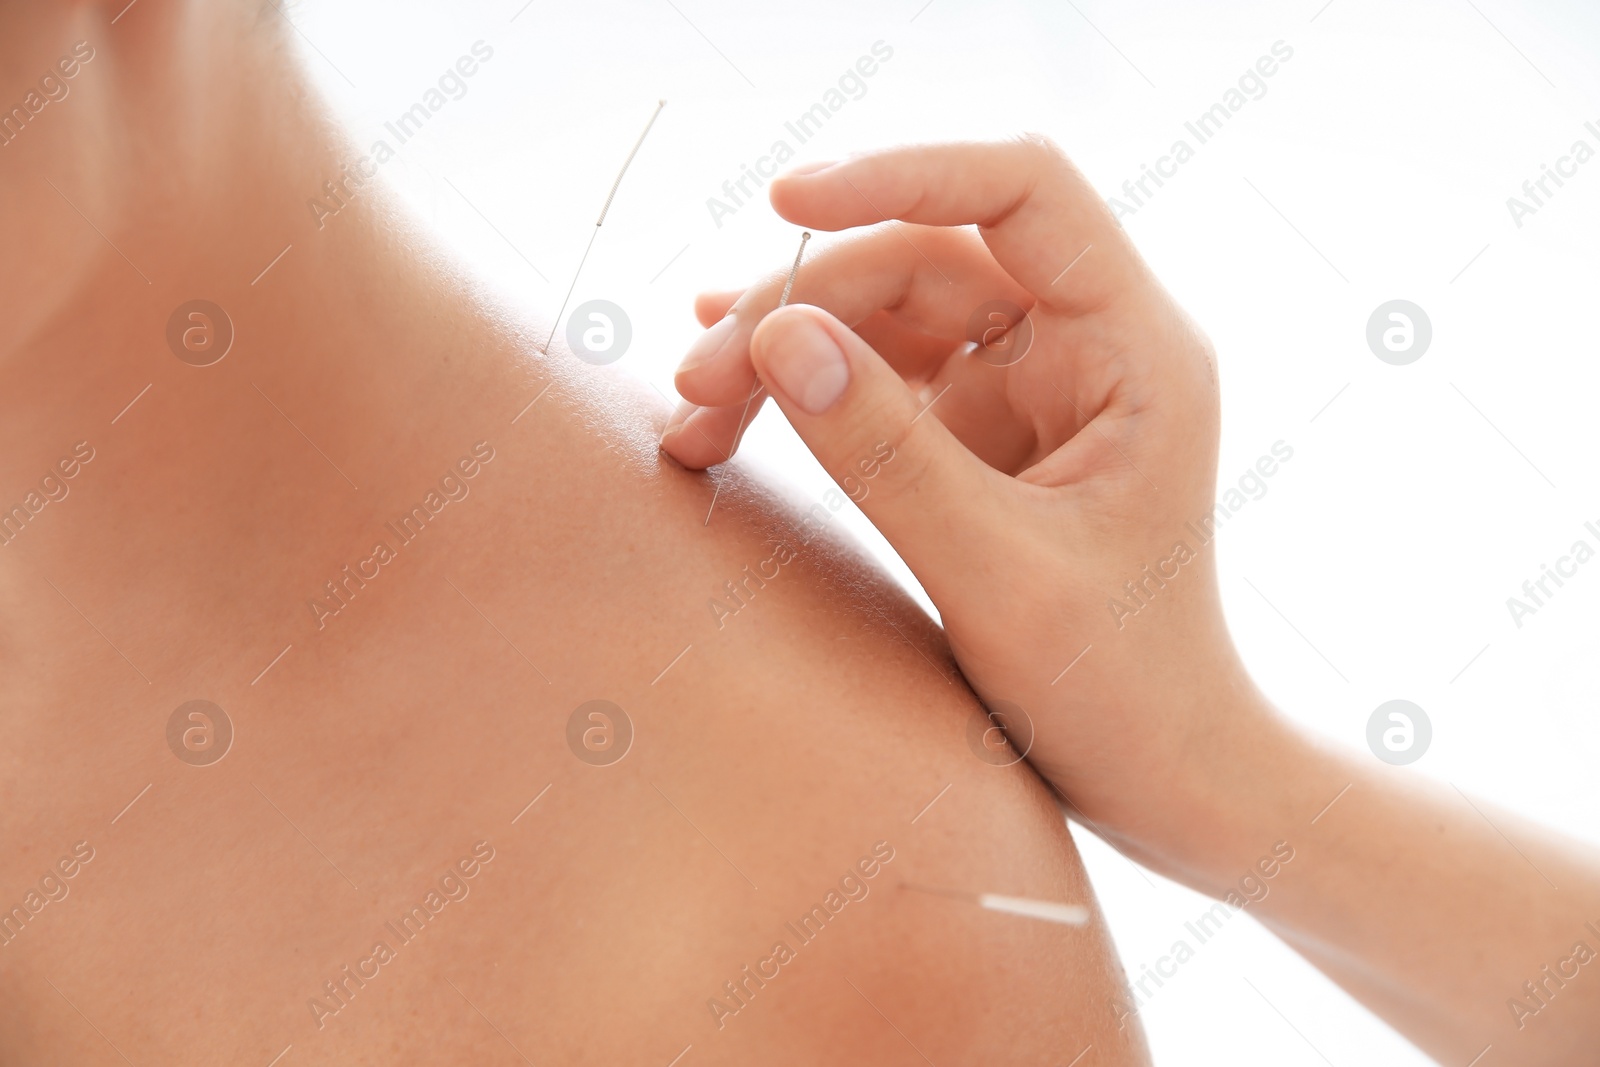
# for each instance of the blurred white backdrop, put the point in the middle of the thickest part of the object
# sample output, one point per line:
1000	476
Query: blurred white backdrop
1376	166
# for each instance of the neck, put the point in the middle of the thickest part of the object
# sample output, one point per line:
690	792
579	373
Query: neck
215	148
360	359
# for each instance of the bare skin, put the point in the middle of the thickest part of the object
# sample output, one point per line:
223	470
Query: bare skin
1056	512
403	737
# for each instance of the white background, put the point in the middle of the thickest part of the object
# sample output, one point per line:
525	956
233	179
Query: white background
1377	166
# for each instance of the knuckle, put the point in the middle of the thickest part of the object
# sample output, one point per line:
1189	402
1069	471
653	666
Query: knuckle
887	462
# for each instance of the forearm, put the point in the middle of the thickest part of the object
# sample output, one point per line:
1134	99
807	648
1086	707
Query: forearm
1440	913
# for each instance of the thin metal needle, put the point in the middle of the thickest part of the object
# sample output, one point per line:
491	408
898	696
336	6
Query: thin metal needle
1028	908
805	236
598	223
788	285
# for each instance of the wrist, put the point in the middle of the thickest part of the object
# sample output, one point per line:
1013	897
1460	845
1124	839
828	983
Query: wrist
1236	795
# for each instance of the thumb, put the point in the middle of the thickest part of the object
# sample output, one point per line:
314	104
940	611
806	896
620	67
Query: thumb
923	490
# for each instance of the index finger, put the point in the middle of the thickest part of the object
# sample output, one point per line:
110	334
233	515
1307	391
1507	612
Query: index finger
1040	217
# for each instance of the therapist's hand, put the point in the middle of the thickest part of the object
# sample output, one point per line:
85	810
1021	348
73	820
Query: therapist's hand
1059	503
1050	492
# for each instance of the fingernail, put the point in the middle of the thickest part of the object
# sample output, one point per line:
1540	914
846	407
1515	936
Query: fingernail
809	367
709	345
807	169
679	419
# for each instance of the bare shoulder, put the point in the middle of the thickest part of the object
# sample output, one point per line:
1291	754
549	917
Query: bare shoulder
809	760
564	760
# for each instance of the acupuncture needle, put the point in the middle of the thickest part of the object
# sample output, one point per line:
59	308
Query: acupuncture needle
1046	910
805	236
612	195
788	285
